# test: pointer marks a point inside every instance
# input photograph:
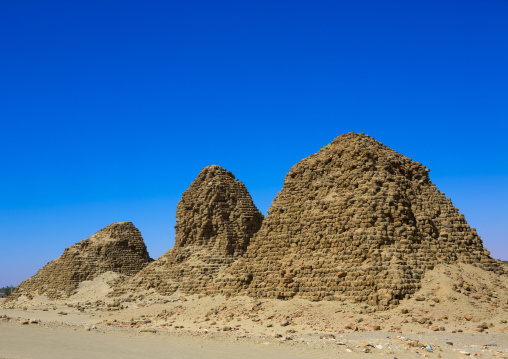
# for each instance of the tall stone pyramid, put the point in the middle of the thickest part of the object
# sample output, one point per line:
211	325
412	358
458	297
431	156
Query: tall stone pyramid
118	247
356	221
216	218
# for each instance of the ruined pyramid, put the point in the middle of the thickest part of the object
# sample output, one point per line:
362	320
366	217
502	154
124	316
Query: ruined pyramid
216	219
356	221
118	247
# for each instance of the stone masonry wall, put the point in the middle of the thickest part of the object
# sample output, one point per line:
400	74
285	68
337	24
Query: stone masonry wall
356	221
216	219
118	248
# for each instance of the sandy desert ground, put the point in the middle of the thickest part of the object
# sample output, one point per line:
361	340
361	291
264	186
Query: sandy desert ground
459	312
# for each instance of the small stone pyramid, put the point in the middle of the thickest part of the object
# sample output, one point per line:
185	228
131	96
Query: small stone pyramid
118	247
356	221
216	218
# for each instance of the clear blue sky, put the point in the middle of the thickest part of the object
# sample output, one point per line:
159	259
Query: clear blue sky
109	109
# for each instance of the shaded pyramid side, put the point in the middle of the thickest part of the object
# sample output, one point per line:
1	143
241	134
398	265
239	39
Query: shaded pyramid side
356	221
216	218
118	247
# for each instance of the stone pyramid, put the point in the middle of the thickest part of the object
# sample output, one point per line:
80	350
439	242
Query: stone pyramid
118	247
356	221
216	219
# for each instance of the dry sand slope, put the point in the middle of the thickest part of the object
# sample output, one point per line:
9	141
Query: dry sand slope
460	311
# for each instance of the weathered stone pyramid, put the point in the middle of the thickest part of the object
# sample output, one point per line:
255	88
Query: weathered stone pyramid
118	248
356	221
216	219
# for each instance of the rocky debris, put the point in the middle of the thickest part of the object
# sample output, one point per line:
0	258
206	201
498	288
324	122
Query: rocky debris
482	327
356	221
118	247
216	219
329	345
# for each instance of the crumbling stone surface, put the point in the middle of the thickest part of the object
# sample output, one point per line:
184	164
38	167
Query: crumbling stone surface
216	219
118	247
356	221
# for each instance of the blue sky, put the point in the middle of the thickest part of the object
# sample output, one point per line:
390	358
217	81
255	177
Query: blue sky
109	109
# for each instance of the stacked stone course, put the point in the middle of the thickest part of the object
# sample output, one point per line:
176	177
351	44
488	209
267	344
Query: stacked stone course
356	221
118	247
216	219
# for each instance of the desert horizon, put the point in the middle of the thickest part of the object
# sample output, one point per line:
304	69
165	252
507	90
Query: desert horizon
263	179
